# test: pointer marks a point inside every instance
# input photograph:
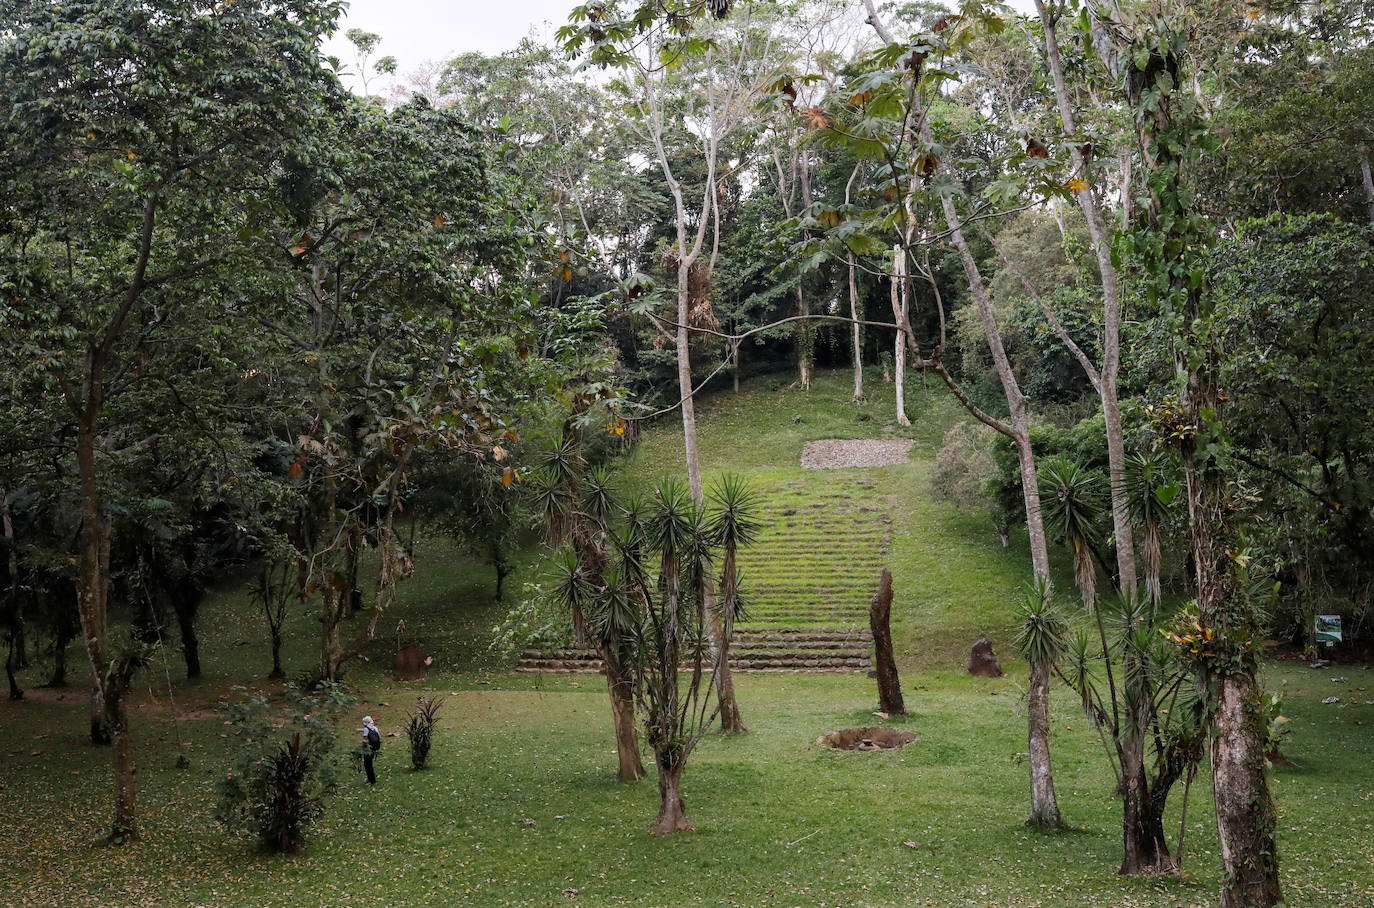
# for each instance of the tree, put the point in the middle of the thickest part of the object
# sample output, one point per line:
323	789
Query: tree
409	308
652	596
897	88
734	526
577	509
134	129
687	91
1169	240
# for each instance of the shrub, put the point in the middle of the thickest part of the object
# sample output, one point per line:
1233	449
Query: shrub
535	622
277	785
420	730
964	466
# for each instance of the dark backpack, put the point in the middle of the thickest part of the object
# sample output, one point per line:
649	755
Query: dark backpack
374	740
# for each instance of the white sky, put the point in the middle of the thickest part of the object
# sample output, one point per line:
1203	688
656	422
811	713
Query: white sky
420	31
417	31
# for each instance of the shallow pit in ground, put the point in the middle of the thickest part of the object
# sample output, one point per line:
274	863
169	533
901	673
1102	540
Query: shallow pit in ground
879	737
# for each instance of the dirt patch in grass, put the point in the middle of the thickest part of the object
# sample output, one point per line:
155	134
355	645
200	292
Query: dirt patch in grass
878	737
837	453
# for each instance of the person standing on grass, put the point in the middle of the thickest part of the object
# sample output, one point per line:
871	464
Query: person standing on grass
372	742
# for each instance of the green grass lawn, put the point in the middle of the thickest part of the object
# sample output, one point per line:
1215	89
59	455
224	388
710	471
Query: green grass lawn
779	820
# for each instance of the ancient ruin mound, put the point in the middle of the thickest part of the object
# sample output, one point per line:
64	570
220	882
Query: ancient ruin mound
982	661
876	738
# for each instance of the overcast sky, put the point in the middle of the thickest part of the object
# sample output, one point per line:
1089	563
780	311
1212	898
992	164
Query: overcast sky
418	31
415	31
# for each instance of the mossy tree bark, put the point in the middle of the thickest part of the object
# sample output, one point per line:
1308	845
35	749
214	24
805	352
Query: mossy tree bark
884	660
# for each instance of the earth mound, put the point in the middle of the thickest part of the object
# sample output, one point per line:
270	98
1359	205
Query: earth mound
879	737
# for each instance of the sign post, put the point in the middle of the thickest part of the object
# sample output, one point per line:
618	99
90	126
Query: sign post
1328	629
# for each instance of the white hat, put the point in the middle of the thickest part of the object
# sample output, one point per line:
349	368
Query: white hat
367	720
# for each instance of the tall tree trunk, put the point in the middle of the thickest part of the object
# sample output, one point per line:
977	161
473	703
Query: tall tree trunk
806	334
100	725
731	722
900	304
1144	849
735	371
1044	805
109	720
333	604
277	670
351	558
184	603
620	686
857	332
125	825
1367	177
15	612
61	596
503	570
684	381
1106	382
1244	808
884	660
333	588
91	581
672	813
805	342
16	692
1044	812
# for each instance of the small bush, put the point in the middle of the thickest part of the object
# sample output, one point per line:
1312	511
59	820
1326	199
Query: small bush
535	622
964	466
420	730
1277	730
277	785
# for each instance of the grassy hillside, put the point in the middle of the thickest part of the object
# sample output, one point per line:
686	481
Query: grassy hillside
953	581
780	821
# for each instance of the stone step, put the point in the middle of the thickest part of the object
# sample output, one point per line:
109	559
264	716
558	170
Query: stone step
801	634
816	650
749	646
781	665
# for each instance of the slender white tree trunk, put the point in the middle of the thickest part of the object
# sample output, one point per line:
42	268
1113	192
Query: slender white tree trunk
902	305
1368	178
1101	240
684	383
857	332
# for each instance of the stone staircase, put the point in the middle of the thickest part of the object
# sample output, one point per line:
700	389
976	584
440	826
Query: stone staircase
774	650
807	583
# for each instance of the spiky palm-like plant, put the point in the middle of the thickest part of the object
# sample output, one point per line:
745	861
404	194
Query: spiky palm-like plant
734	525
1040	634
673	722
1151	724
654	594
577	504
1071	498
1152	487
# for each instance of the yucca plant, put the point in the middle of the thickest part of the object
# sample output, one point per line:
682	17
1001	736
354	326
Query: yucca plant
652	598
734	525
1152	488
1040	634
578	504
1151	724
1072	500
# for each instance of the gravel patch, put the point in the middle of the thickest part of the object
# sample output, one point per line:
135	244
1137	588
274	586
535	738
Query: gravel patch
835	453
